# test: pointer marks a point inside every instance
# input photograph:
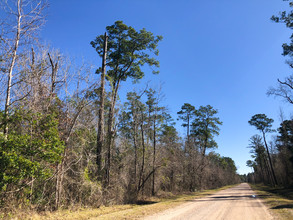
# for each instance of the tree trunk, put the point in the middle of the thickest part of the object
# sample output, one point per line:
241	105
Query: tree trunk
269	172
110	130
100	137
54	70
171	179
262	170
58	185
271	165
141	176
14	54
154	156
135	147
186	149
202	163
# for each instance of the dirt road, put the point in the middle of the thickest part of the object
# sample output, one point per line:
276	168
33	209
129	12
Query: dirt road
235	203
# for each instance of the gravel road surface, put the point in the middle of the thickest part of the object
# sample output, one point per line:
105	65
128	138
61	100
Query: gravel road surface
235	203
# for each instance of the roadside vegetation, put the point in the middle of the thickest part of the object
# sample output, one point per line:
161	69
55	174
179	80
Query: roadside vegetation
129	211
272	161
272	158
68	141
278	199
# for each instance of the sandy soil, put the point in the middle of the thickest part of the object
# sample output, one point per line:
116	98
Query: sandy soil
235	203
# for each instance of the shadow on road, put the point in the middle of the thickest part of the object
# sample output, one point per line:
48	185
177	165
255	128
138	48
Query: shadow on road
141	202
283	207
221	198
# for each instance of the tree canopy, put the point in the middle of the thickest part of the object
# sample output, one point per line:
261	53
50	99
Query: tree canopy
261	122
206	125
128	51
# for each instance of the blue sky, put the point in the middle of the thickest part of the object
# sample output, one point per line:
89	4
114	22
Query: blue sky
222	53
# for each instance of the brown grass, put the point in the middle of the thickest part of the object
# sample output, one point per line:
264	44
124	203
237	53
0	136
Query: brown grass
279	200
129	211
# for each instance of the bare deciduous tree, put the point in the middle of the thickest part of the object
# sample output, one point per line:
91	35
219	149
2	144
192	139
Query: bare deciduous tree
23	19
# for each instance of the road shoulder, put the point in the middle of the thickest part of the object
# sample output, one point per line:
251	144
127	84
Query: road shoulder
278	200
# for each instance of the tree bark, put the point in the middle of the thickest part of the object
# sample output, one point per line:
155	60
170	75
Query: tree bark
54	71
270	179
100	137
110	130
140	185
14	54
135	146
154	156
270	161
58	185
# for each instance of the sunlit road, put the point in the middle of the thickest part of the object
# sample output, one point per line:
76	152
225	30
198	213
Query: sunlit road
235	203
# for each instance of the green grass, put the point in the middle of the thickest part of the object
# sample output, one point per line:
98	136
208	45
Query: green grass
279	200
128	211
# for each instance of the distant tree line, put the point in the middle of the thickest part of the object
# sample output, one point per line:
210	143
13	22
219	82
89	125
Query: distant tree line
65	137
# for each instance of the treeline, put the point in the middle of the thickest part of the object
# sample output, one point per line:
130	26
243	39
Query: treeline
272	162
65	141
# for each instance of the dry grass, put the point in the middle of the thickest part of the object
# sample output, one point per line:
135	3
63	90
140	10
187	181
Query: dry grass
129	211
279	200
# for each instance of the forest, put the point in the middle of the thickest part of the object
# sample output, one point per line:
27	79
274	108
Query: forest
67	140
